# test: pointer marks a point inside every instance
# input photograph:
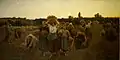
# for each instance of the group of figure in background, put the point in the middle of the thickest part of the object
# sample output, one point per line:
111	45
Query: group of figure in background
60	38
110	31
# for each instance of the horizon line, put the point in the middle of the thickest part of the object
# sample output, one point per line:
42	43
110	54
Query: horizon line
62	17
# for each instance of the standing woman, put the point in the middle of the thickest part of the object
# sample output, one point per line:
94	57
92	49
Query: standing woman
52	24
80	40
43	40
88	32
65	34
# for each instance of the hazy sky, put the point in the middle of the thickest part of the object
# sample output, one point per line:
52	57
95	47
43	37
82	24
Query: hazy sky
59	8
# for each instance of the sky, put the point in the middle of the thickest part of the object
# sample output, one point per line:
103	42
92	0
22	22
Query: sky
60	8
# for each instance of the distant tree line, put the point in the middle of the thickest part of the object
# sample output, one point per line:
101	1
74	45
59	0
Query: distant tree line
75	20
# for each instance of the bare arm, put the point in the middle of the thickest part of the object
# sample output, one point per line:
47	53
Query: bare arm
85	37
57	21
26	38
30	43
72	43
16	32
68	33
47	22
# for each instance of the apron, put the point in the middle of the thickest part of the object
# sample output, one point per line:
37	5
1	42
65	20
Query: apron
52	42
64	43
52	36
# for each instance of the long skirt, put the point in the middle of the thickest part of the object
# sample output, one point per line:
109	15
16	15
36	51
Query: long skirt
78	43
64	44
43	44
54	46
51	36
53	43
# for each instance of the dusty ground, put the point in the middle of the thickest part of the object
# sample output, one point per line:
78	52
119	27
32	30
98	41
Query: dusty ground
99	49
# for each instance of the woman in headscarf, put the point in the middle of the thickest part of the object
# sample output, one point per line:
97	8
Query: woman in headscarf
30	41
43	40
52	24
64	35
88	32
72	30
80	39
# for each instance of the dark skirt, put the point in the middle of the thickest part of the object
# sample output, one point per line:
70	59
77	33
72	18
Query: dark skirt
78	43
53	43
43	43
52	36
54	46
64	44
